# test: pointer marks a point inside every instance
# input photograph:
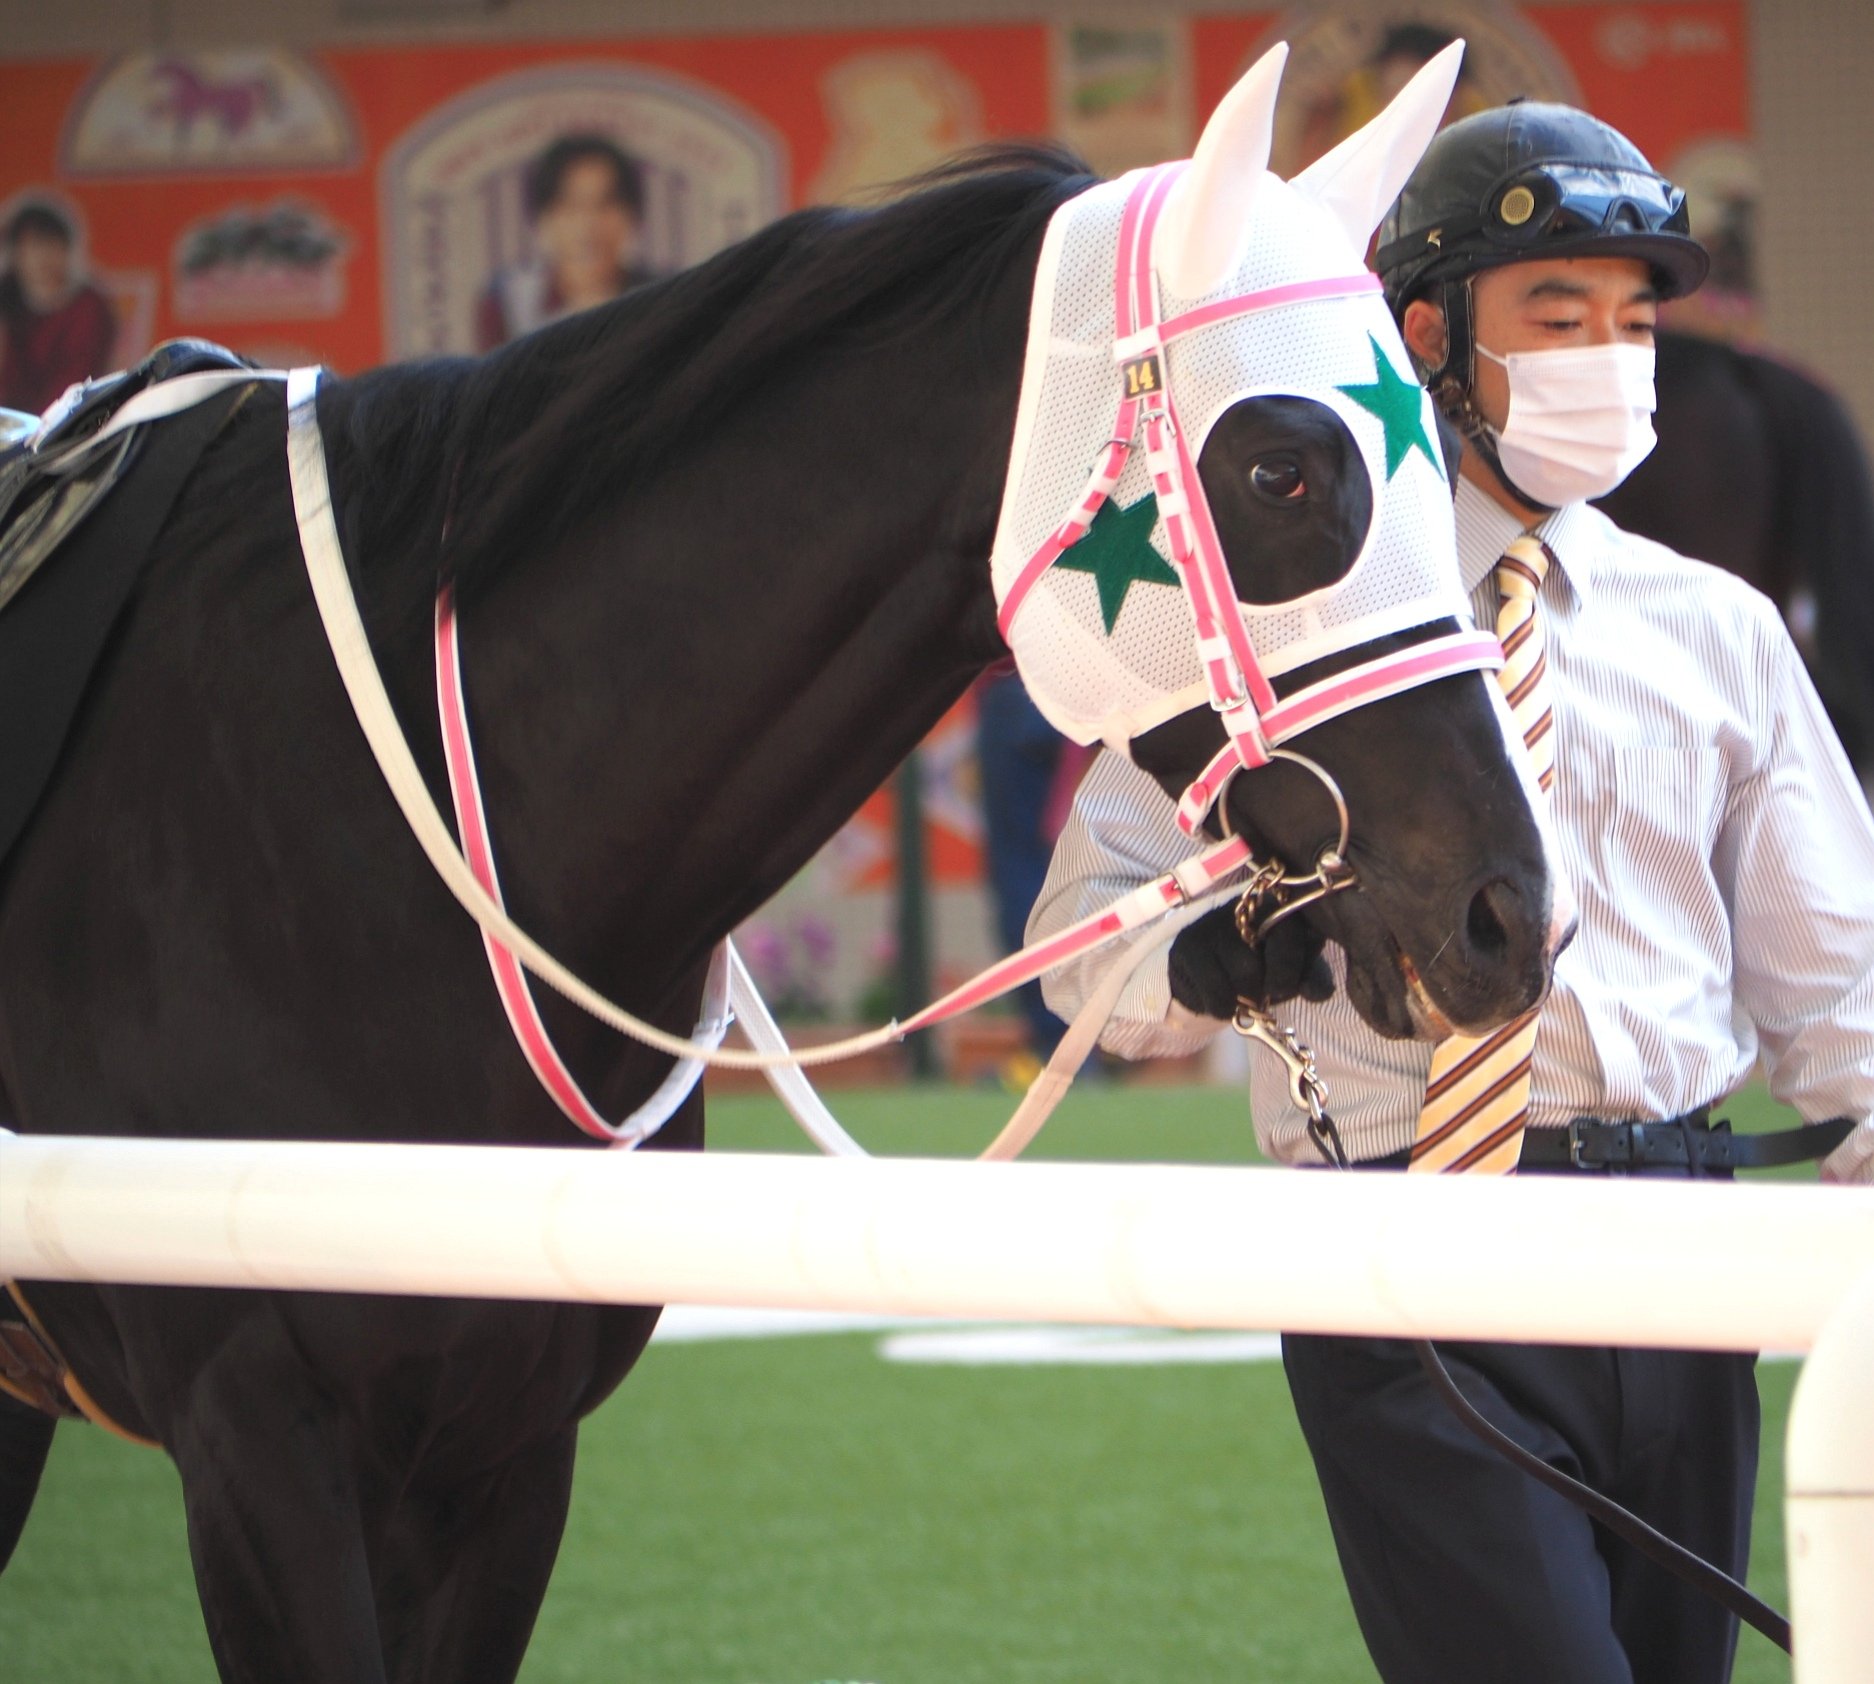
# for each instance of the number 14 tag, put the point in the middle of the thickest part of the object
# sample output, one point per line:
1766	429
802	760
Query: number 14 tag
1142	375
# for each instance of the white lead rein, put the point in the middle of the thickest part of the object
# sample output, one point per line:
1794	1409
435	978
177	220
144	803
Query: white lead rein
770	1053
351	649
357	667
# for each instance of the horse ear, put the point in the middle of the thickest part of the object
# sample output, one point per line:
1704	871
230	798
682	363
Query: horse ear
1361	177
1205	225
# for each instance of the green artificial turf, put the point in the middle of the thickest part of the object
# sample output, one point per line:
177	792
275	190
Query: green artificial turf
793	1511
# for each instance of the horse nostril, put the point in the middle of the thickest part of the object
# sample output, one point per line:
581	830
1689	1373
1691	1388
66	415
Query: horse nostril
1487	925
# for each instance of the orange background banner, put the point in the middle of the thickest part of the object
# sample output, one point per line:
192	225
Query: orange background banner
1672	77
133	222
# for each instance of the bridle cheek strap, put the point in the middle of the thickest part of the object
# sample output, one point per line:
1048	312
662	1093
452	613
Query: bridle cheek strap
1255	723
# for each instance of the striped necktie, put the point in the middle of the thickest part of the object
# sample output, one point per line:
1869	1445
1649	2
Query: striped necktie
1477	1096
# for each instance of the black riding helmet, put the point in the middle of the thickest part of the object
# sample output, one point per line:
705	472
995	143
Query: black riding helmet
1524	180
1531	180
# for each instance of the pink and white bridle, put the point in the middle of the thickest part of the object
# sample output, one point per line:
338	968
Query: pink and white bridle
1255	720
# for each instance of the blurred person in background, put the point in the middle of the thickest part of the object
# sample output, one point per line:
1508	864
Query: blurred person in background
55	326
1028	770
585	215
1403	50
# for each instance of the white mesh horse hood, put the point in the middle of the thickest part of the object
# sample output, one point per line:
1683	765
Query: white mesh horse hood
1100	629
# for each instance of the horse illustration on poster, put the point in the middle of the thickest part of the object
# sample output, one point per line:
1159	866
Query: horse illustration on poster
217	111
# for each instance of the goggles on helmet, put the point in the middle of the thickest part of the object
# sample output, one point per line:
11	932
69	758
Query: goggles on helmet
1568	209
1580	199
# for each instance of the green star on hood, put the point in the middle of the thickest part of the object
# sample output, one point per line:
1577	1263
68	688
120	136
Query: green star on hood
1117	551
1400	406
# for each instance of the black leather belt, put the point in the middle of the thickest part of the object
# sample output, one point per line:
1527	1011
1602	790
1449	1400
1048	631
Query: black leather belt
1689	1142
1692	1143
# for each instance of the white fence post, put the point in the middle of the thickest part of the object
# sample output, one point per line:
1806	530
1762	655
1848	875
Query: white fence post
1829	1478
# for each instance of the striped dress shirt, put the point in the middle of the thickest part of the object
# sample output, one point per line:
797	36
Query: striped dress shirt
1719	847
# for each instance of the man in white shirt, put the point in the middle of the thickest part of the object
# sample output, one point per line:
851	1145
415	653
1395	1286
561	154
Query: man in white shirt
1722	859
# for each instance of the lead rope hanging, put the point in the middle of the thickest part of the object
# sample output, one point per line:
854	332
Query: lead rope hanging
1308	1091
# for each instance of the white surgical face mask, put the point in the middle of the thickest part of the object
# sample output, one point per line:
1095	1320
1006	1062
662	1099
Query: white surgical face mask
1580	421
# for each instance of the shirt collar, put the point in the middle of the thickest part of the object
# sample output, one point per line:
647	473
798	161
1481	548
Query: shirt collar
1485	529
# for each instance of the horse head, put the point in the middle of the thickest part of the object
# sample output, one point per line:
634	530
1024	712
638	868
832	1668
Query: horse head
1261	573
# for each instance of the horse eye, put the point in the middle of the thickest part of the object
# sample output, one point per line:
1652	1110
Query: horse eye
1279	478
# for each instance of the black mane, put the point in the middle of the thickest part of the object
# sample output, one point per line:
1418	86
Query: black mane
535	437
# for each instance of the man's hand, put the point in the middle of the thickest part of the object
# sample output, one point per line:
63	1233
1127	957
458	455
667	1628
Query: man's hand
1212	967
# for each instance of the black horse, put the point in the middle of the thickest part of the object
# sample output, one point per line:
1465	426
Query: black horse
719	552
1759	470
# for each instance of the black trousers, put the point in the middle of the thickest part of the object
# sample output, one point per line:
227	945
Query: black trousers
1464	1571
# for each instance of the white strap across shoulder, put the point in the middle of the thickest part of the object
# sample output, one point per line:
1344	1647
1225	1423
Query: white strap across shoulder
153	403
344	629
1193	887
351	649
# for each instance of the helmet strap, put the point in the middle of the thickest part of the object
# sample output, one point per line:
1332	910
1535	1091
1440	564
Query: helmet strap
1460	310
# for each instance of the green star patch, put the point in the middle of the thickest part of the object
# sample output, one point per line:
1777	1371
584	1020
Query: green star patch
1117	551
1400	405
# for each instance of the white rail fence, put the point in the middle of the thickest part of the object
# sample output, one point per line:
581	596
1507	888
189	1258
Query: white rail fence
1768	1266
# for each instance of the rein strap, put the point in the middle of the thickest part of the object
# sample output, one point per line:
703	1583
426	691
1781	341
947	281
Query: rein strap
364	685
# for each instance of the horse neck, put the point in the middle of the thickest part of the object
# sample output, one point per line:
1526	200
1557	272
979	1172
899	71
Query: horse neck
679	703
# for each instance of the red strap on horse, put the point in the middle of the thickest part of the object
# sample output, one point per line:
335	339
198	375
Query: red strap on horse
511	984
1190	881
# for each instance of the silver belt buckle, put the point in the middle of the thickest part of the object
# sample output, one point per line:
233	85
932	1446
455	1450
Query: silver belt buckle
1576	1128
